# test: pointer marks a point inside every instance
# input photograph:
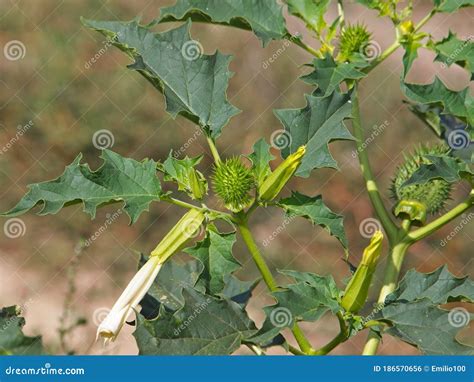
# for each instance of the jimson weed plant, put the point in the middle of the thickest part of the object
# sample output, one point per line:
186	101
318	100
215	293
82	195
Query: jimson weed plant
199	306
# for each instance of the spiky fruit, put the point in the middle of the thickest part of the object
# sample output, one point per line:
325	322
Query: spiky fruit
433	194
352	40
232	181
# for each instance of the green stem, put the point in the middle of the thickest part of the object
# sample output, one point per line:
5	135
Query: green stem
190	206
392	272
367	173
297	41
213	148
392	48
341	337
262	266
433	226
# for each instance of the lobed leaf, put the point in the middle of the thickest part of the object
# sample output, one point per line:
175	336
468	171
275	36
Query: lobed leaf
118	179
452	50
459	104
452	5
415	317
12	339
316	125
313	209
263	17
328	75
312	12
204	326
441	167
194	84
260	158
215	253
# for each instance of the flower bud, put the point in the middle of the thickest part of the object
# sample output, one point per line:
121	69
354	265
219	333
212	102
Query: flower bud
357	289
274	183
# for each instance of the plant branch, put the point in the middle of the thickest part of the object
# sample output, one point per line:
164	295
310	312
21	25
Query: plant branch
341	337
392	272
213	148
433	226
367	173
262	266
299	42
396	44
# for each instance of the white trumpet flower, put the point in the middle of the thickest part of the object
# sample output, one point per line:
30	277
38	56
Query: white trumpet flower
129	300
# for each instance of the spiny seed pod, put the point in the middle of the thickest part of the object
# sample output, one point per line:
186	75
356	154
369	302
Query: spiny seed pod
353	40
357	289
274	183
182	231
232	181
433	194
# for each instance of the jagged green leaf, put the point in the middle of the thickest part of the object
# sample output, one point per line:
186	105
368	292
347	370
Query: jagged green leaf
263	17
414	315
12	339
452	50
312	12
183	172
411	53
215	253
260	159
118	179
328	74
168	287
238	290
452	5
194	84
422	324
459	104
306	300
316	125
439	286
313	209
204	326
440	167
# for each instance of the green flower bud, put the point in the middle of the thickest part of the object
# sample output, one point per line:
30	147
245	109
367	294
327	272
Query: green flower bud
357	289
274	183
197	183
186	228
433	194
232	181
353	40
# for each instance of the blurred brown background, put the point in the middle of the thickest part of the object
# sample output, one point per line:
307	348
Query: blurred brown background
68	99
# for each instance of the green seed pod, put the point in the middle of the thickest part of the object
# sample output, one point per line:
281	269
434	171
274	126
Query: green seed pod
232	181
352	40
433	194
357	289
274	183
182	231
